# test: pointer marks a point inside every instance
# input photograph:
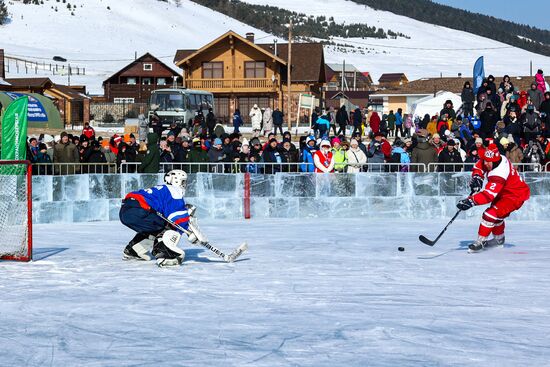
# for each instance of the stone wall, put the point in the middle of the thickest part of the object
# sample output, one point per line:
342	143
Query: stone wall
86	198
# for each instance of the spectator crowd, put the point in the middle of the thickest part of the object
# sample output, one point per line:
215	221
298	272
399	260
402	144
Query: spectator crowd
518	122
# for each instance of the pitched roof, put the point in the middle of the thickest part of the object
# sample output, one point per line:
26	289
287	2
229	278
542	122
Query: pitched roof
69	92
139	60
308	60
225	35
340	67
29	82
391	77
426	86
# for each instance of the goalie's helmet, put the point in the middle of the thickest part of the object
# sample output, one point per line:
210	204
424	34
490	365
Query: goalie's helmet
176	177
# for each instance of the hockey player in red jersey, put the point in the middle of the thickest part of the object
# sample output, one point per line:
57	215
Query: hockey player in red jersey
505	191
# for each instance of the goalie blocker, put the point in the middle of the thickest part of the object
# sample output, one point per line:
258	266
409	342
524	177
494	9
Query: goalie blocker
155	238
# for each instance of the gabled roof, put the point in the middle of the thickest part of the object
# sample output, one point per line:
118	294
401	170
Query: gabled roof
426	86
340	67
68	92
139	59
391	77
308	60
29	82
190	55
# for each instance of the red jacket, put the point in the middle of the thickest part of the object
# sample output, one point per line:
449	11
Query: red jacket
88	132
375	122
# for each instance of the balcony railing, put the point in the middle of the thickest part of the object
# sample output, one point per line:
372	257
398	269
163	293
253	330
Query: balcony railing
232	84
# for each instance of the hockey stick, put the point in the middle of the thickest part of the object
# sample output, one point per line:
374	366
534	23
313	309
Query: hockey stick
428	242
226	257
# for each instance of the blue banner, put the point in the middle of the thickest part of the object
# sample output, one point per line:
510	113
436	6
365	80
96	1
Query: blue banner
36	111
479	74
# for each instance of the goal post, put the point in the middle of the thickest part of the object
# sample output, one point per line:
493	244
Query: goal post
15	210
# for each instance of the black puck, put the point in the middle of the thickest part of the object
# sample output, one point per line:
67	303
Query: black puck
401	248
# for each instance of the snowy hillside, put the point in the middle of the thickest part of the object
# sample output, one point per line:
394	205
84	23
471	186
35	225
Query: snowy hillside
94	33
103	35
430	51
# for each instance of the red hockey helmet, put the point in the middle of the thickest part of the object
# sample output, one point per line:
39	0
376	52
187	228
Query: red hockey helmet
492	154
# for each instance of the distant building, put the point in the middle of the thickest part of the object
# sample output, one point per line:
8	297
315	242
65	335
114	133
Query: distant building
353	80
241	73
135	82
72	102
389	80
404	96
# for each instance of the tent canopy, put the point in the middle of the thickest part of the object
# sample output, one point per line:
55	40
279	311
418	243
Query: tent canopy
42	112
432	105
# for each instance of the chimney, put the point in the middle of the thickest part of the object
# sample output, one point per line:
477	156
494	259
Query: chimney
250	37
2	69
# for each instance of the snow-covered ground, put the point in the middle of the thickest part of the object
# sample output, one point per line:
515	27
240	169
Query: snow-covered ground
308	293
103	40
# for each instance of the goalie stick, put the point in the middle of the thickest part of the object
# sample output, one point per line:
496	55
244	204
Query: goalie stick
234	255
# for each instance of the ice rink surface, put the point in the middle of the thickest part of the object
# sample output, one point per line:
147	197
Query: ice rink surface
308	293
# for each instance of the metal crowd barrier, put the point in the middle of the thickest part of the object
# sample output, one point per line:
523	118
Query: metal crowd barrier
57	169
270	167
466	167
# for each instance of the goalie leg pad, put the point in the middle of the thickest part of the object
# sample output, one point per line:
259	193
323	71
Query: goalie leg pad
166	248
196	234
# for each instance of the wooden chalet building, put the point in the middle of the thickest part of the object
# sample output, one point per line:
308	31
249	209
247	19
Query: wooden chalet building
135	82
72	102
389	80
241	73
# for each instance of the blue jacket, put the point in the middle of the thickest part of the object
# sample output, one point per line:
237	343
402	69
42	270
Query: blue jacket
165	199
398	119
237	120
307	157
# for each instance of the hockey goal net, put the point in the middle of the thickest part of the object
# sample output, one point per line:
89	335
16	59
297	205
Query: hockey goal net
15	210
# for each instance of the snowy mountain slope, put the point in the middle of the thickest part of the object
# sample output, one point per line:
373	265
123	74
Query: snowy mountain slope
430	51
94	33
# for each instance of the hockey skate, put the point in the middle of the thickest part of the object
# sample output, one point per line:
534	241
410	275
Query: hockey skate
477	246
138	248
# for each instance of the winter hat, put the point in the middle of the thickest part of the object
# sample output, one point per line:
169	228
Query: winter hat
336	140
196	142
64	133
245	142
408	140
95	144
422	132
436	135
42	146
479	140
217	141
255	141
310	138
504	141
325	143
273	140
354	142
451	142
171	133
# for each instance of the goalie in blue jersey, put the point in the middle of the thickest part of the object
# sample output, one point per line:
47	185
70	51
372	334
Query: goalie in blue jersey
144	211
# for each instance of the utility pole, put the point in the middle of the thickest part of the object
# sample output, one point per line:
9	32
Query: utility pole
288	77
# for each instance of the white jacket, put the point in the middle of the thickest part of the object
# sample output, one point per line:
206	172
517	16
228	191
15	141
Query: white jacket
256	118
356	159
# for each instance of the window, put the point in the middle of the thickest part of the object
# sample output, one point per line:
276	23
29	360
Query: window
148	67
212	70
254	69
161	81
131	81
124	100
146	81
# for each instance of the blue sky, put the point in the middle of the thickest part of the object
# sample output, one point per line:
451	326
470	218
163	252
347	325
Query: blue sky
532	12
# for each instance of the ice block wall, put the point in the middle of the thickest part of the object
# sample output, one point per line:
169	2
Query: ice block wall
86	198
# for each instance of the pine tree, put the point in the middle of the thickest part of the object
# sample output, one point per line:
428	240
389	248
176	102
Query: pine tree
3	12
